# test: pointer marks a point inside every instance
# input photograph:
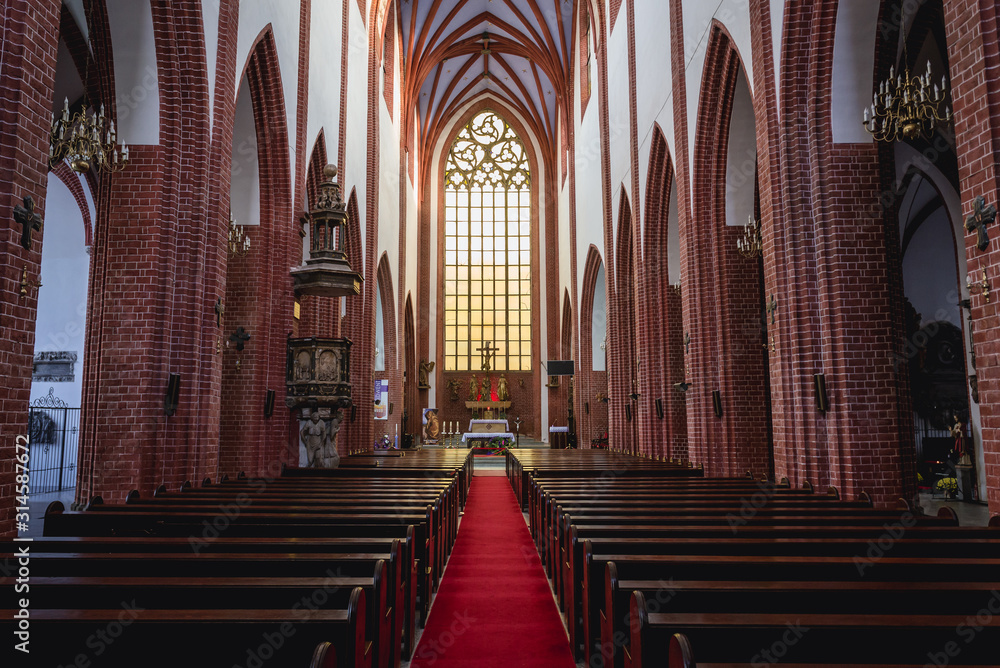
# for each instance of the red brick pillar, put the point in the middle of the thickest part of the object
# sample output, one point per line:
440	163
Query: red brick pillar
974	60
29	33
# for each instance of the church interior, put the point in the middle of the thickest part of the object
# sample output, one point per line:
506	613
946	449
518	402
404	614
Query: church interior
381	333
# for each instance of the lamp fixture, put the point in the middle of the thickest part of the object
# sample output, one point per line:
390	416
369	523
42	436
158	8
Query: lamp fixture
907	106
84	140
750	245
983	285
239	240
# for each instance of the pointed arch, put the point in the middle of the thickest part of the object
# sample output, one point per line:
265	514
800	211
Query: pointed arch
593	419
386	293
410	369
622	367
258	294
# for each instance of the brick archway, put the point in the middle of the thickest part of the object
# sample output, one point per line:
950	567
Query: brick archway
661	328
725	353
258	293
592	413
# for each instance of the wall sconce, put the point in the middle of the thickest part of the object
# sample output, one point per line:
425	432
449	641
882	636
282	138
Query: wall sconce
682	387
25	283
819	389
269	404
717	403
983	285
173	393
601	396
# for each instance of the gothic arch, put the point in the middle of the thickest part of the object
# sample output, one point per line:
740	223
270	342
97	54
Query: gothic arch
622	370
728	342
593	413
257	289
661	326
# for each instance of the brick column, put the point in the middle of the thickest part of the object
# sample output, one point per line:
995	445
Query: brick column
29	34
974	59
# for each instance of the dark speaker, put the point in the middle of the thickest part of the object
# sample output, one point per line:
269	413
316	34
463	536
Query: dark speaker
559	367
269	404
586	407
659	408
819	388
173	394
628	412
717	403
354	412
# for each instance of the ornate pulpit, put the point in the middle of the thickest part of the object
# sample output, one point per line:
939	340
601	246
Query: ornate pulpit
318	380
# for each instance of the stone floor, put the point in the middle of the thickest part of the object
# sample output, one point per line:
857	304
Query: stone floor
969	514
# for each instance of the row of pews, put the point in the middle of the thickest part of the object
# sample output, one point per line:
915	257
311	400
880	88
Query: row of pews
313	568
654	567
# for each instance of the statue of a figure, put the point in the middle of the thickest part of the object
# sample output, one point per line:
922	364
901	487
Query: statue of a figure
314	437
473	388
425	369
484	390
503	393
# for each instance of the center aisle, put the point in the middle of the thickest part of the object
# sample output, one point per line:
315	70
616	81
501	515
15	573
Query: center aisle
494	607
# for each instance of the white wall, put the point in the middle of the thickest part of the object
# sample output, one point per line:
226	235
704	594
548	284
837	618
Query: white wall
245	184
137	91
599	325
62	299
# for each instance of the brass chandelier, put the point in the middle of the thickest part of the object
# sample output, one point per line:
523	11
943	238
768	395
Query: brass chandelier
86	141
906	106
239	240
750	245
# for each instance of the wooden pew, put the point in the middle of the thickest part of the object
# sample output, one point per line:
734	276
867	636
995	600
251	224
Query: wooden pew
400	574
255	581
127	637
817	639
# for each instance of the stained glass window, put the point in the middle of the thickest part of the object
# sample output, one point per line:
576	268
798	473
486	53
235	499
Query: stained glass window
487	267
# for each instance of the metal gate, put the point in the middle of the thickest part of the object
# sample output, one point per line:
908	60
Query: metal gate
54	430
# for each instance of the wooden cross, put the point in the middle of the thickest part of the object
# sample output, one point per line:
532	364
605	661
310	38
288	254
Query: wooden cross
28	219
220	311
980	217
772	308
488	352
240	337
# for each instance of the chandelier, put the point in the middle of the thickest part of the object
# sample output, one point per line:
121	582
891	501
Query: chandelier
86	141
906	106
239	241
750	244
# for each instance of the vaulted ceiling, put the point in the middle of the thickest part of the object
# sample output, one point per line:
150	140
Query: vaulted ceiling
455	50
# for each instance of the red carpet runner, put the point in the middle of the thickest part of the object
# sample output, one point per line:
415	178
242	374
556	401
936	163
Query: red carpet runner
494	607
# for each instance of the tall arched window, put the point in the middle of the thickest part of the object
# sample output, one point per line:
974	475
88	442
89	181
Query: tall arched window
487	247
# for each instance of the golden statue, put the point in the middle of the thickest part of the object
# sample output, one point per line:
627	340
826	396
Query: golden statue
503	392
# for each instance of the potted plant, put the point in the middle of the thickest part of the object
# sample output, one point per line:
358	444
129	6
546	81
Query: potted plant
949	486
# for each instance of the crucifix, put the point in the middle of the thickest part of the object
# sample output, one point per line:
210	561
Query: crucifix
29	220
220	310
980	217
239	337
772	308
489	353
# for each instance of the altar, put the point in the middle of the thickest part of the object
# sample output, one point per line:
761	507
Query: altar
483	431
